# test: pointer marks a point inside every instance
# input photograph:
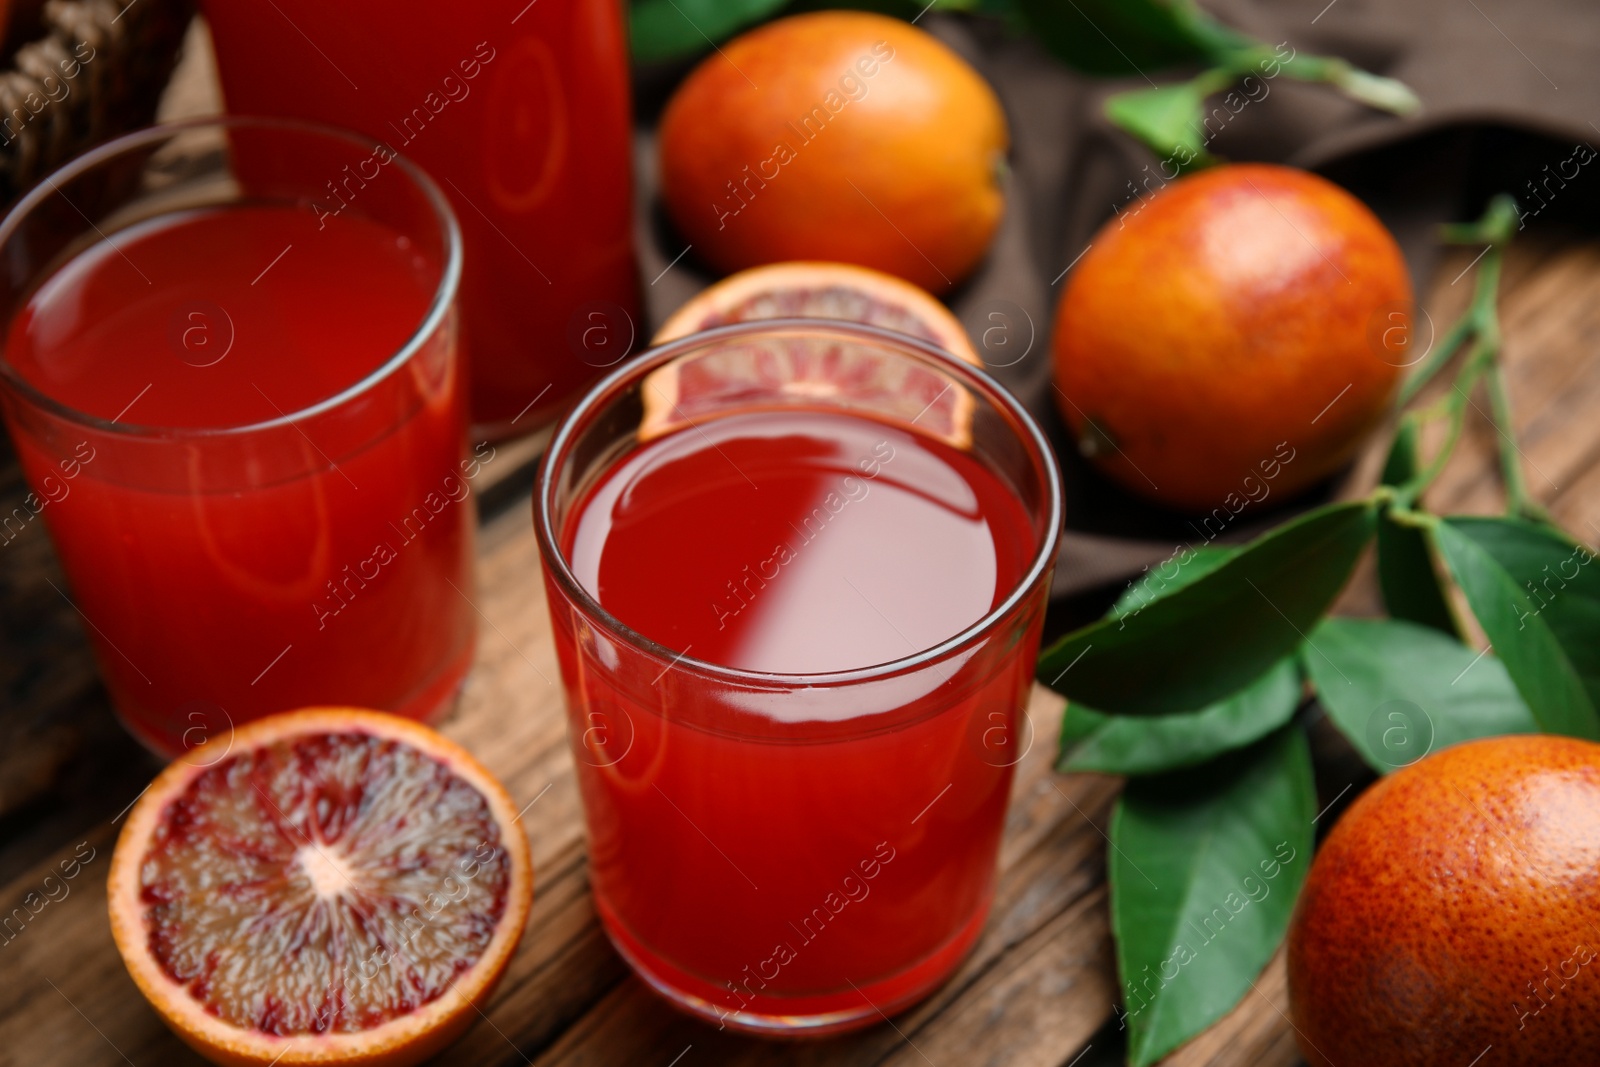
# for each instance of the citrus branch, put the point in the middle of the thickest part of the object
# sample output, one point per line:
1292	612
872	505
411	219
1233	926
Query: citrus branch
1171	120
1518	502
1454	338
1454	410
1478	330
1373	90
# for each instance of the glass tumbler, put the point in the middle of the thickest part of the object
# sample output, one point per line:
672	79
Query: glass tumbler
794	853
240	410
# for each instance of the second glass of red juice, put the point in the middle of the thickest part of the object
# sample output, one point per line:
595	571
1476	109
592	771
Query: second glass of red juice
797	572
243	421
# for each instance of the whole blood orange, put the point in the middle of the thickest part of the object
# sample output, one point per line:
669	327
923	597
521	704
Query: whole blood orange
836	135
1232	337
821	291
1453	915
337	887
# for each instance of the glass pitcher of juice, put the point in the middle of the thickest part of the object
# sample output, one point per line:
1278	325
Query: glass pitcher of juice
520	111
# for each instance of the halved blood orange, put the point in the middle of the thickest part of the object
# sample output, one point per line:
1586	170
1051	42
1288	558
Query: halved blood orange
775	373
781	371
813	290
341	887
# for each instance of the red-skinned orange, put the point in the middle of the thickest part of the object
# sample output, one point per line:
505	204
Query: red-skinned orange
1234	336
837	135
1453	915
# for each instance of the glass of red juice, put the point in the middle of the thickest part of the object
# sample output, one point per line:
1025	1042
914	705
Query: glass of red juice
521	111
797	572
243	422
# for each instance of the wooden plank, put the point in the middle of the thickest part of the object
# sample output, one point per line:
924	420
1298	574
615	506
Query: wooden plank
1038	987
1041	1001
511	715
1257	1033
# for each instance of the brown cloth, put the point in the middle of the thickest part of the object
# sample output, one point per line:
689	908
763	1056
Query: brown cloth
1509	88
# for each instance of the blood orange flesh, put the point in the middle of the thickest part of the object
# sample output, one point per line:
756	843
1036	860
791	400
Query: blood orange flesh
783	371
807	290
340	883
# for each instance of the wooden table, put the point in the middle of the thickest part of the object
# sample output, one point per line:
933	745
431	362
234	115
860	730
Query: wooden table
1038	989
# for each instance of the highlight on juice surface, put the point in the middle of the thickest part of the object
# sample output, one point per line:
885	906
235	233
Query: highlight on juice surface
246	408
797	571
330	886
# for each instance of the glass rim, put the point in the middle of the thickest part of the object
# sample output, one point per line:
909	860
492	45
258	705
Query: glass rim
555	562
443	297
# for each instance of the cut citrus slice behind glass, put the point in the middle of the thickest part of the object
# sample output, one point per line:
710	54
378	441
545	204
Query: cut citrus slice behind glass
814	290
341	887
804	370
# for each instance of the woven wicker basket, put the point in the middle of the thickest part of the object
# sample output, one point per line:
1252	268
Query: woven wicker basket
97	71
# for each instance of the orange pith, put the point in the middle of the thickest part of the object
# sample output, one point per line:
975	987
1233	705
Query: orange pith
341	887
822	291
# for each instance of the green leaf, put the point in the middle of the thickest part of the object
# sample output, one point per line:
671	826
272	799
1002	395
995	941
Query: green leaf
1399	691
1204	641
1168	119
1170	575
1537	596
1117	744
669	29
1204	869
1115	36
1406	571
1122	744
1561	581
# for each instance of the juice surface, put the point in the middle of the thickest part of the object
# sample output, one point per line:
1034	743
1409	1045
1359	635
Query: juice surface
799	542
766	876
224	579
520	111
221	317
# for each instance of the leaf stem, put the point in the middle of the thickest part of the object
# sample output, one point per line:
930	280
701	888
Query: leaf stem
1455	410
1436	359
1419	520
1480	321
1373	90
1496	226
1480	324
1486	294
1167	118
1518	502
